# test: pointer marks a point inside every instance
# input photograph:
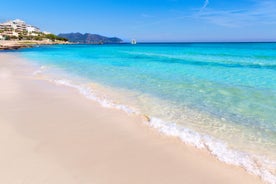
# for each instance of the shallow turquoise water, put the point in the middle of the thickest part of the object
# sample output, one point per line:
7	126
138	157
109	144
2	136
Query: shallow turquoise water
226	90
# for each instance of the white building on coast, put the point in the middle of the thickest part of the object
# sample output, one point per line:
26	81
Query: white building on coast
14	27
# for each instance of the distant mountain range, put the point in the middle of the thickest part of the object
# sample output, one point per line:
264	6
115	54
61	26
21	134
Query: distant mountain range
88	38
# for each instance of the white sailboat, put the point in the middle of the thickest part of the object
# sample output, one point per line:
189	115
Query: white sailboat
133	42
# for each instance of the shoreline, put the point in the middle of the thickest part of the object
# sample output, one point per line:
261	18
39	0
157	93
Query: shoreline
15	45
19	44
83	142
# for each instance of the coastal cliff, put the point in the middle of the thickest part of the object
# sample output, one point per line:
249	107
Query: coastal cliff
18	44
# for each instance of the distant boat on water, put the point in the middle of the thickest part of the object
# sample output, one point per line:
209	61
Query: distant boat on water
133	42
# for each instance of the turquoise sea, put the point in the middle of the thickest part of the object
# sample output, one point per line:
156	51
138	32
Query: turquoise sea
215	96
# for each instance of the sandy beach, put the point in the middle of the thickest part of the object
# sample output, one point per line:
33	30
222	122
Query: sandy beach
52	134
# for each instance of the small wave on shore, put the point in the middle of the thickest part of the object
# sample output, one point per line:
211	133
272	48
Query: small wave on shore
88	93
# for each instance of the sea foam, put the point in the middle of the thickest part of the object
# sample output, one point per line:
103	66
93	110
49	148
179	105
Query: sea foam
88	93
251	163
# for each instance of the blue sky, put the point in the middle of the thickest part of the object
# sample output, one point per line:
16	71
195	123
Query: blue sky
151	20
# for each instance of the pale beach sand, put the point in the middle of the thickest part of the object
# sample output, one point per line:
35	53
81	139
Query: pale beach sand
51	134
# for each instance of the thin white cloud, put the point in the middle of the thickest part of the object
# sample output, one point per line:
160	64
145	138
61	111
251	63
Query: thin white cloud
259	13
206	3
263	12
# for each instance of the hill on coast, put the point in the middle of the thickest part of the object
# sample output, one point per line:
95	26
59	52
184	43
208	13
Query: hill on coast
88	38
